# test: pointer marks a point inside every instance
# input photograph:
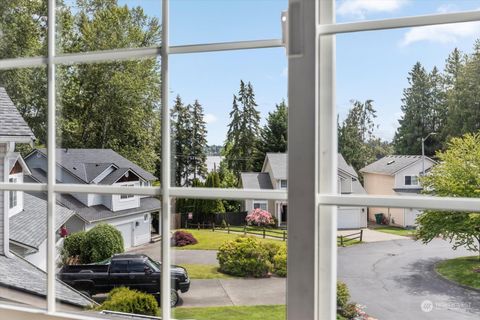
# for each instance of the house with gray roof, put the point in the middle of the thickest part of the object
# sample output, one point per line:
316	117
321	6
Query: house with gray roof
274	175
130	214
23	222
396	175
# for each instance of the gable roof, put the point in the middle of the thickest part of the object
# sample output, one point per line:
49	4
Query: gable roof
345	167
19	274
29	227
279	164
392	164
12	124
87	164
256	180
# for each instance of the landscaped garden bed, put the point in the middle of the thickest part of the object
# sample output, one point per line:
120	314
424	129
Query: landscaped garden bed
464	271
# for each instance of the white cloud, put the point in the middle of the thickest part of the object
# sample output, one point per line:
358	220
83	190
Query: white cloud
447	33
210	118
360	8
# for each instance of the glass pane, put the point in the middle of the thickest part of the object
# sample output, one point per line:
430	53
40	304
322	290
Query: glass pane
209	21
109	135
23	29
352	10
405	276
104	25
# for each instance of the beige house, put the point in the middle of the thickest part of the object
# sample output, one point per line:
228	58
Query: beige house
395	176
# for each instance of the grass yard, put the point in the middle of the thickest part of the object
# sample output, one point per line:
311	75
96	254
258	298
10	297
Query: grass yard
348	242
205	271
277	233
273	312
209	240
395	230
465	271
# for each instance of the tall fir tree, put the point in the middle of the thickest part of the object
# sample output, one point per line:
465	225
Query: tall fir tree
181	134
421	106
241	145
198	145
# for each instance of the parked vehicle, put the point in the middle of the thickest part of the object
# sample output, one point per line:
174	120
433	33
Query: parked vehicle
135	271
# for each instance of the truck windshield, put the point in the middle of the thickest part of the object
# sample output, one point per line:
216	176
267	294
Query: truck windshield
153	265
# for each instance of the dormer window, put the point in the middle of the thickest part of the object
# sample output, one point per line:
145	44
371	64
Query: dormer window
127	196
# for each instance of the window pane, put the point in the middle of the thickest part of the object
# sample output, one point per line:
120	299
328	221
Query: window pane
23	29
405	277
236	261
353	10
86	26
219	21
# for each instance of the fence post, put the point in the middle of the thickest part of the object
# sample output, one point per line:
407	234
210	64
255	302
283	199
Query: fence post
341	241
361	235
284	236
245	230
228	228
213	226
263	232
198	225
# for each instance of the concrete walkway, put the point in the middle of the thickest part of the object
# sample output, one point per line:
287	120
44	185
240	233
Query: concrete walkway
235	292
370	235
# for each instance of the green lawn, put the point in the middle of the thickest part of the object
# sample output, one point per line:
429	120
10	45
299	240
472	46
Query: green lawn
209	240
348	242
465	270
274	312
277	233
395	230
205	271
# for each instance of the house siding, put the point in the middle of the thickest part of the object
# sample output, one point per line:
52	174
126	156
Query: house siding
3	195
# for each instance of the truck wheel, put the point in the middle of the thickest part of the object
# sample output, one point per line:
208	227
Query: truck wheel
174	298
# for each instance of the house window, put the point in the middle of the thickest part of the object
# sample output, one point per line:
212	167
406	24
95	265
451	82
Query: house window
411	180
283	184
312	92
127	196
13	195
260	204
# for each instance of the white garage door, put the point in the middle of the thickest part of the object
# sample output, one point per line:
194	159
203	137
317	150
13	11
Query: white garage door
126	230
351	218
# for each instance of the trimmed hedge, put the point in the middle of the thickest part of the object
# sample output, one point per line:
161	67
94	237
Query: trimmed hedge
280	262
244	257
182	238
130	301
101	242
73	244
343	294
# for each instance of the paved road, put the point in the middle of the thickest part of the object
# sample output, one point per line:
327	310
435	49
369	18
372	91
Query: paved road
393	278
370	235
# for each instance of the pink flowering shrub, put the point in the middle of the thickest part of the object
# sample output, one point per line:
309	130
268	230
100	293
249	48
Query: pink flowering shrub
259	217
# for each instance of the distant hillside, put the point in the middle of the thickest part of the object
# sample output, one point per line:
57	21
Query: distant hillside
213	150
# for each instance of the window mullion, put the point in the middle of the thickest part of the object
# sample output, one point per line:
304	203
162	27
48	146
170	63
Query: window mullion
51	250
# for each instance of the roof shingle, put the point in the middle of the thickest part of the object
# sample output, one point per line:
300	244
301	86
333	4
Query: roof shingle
12	123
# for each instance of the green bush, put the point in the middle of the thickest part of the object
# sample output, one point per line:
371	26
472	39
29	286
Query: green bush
343	295
101	242
349	311
74	243
280	262
130	301
272	249
244	257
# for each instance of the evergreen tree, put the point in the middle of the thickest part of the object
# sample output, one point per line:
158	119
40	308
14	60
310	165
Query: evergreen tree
356	141
422	105
241	145
181	135
198	156
228	179
213	206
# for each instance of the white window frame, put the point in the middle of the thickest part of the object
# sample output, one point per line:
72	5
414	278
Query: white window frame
413	178
260	202
126	197
13	195
281	184
312	152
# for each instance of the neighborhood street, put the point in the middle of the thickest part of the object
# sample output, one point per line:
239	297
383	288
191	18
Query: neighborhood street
391	278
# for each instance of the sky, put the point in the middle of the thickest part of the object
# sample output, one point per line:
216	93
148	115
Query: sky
370	65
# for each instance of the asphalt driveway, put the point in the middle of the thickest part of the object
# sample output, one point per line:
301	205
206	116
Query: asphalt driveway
394	278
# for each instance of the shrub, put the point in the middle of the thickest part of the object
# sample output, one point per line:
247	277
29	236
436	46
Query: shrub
343	295
183	238
101	242
259	217
244	257
350	311
280	262
130	301
73	244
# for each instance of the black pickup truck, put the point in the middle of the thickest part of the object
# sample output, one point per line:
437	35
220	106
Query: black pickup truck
135	271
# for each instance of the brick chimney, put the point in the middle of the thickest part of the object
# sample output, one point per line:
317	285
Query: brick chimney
13	129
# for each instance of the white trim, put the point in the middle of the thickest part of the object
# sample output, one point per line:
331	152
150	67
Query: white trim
265	202
404	22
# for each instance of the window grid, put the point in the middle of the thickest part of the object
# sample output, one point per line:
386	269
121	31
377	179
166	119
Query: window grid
326	199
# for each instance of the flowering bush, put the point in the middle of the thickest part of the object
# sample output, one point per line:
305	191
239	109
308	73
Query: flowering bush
259	217
183	238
